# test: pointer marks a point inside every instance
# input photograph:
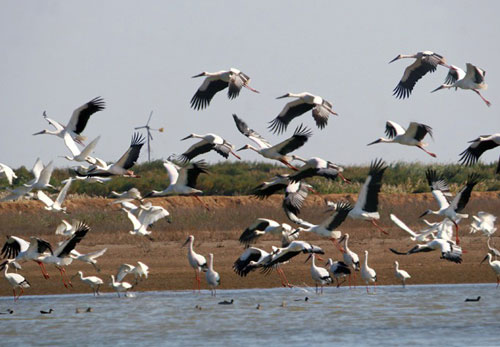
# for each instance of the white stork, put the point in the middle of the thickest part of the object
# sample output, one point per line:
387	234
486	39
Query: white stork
144	216
15	280
421	236
197	261
350	258
131	194
263	226
212	276
491	250
367	273
217	81
279	151
401	275
425	62
208	142
320	275
93	282
304	102
449	250
473	79
56	205
317	167
18	250
339	269
412	136
83	155
281	255
89	258
484	222
77	122
241	265
7	172
495	266
452	210
480	145
123	165
295	195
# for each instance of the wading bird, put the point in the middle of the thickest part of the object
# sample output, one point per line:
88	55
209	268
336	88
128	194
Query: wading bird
217	81
350	258
491	250
480	145
281	255
449	250
78	155
93	282
139	271
317	167
368	274
279	151
15	280
339	269
197	262
56	205
320	275
18	250
119	286
129	195
495	266
212	277
77	122
412	136
401	275
473	79
484	222
208	142
263	226
89	258
143	217
7	172
422	236
304	102
425	62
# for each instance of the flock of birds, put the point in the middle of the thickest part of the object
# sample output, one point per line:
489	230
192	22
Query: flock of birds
183	172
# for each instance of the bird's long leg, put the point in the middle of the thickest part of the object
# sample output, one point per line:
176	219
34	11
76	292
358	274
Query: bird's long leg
195	283
236	155
44	271
378	226
354	279
426	151
374	287
250	88
367	292
457	240
199	283
288	164
68	280
316	287
340	283
482	97
14	291
97	290
201	202
344	179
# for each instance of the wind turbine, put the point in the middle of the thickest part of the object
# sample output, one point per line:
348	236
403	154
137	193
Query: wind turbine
150	137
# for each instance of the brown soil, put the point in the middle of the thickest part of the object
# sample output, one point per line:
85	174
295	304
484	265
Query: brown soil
217	230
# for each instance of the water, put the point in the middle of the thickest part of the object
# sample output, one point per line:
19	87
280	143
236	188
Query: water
427	314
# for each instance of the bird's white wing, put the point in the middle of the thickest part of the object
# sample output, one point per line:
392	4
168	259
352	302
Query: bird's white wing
393	129
70	143
37	169
54	123
123	271
8	172
63	192
402	225
44	198
128	205
90	147
44	178
172	171
154	214
135	222
141	270
440	198
61	228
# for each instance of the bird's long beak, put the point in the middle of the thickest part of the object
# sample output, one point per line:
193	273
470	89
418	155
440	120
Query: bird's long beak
187	137
242	148
185	243
198	75
438	88
374	142
39	133
423	214
283	96
482	261
393	60
309	257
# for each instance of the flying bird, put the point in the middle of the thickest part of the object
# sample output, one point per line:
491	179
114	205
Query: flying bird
217	81
56	205
449	250
263	226
7	172
480	145
207	143
317	167
484	222
321	110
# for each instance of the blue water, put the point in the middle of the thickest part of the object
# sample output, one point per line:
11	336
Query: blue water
417	315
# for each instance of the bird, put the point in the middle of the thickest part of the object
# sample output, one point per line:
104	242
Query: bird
367	273
279	151
139	271
42	176
339	269
484	222
51	205
321	110
197	261
472	79
480	145
77	122
18	250
422	236
119	286
8	311
129	195
212	277
93	282
491	250
225	302
295	195
89	258
65	228
217	81
320	275
47	312
449	250
144	216
317	167
242	265
412	136
263	226
284	254
350	258
495	266
452	209
425	62
472	300
123	165
83	155
401	275
207	143
7	172
14	279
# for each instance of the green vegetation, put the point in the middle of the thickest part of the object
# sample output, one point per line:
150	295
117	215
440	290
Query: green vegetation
240	178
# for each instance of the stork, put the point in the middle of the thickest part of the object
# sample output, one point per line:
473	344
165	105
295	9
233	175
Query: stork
317	167
263	226
421	236
495	266
480	145
401	275
217	81
412	136
321	110
339	269
281	255
449	250
472	79
7	172
51	205
18	250
15	280
368	274
320	275
77	122
212	276
197	261
207	143
279	151
491	250
425	62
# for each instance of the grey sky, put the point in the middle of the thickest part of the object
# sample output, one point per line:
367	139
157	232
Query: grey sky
139	56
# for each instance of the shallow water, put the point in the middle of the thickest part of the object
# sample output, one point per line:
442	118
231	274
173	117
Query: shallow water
426	314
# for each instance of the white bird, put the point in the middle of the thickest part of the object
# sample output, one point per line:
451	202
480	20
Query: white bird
401	275
89	258
321	110
495	266
15	280
56	205
412	136
42	176
93	282
212	277
18	193
320	275
480	145
422	236
263	226
7	172
123	165
452	210
78	155
251	254
425	62
367	273
282	255
197	261
473	79
484	222
131	194
317	167
93	179
279	151
207	143
144	216
65	228
77	122
139	271
339	269
217	81
491	250
449	250
18	250
119	286
350	258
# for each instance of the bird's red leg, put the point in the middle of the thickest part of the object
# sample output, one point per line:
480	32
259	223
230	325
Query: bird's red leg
457	240
20	293
367	292
62	277
250	88
236	155
14	291
378	226
344	179
288	164
195	283
426	151
201	202
44	271
482	97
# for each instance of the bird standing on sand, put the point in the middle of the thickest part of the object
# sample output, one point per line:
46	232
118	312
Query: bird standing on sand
197	262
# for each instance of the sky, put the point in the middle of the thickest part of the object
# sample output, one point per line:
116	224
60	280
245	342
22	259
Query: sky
140	56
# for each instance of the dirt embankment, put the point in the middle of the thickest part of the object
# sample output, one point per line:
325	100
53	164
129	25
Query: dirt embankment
217	226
